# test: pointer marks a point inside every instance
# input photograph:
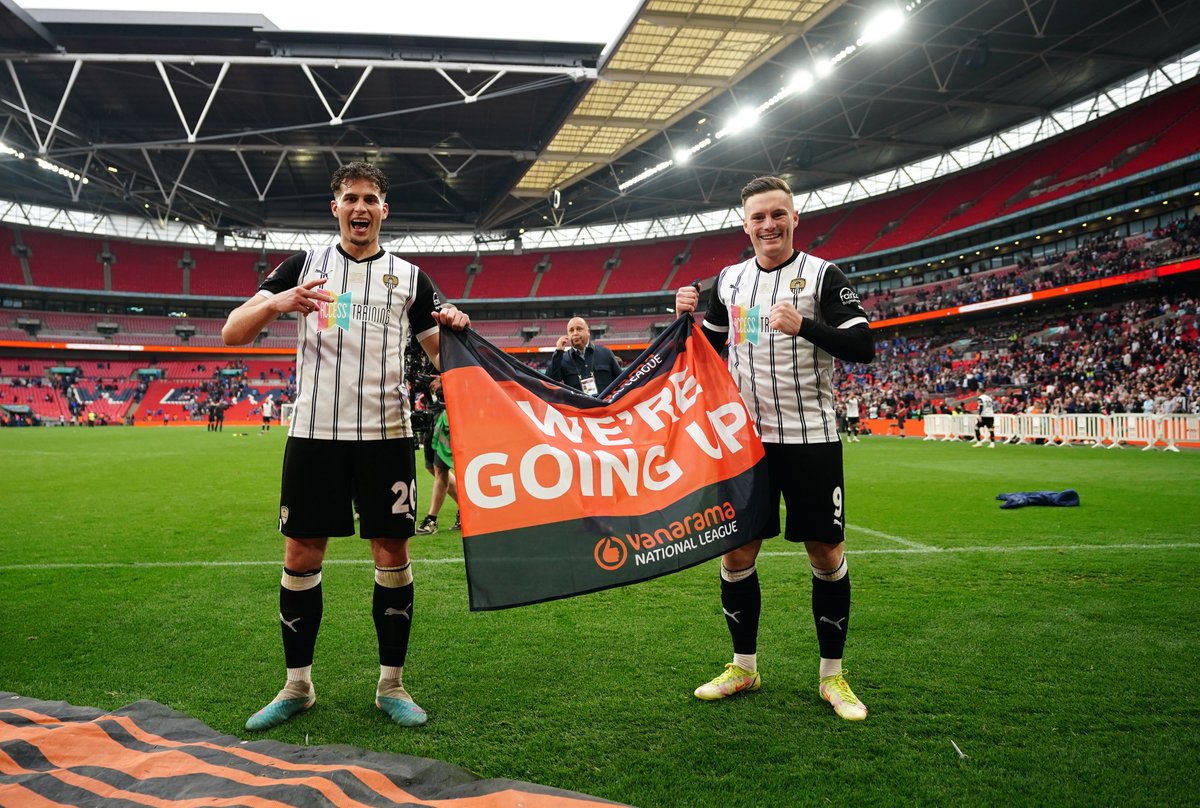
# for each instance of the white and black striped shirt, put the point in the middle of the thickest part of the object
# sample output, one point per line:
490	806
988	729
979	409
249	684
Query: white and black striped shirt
786	382
350	352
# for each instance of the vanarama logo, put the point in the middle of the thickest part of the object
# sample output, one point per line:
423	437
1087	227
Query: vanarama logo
610	553
683	536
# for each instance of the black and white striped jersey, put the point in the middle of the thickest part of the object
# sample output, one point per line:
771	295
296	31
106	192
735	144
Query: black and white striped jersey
350	352
786	382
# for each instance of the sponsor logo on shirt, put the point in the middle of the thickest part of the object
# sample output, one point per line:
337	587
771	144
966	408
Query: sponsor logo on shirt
749	325
342	311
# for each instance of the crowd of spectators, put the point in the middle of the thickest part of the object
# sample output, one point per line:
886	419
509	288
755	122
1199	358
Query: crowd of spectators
1141	356
1099	257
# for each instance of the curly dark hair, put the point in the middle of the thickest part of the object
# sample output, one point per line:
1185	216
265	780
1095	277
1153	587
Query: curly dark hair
358	170
760	185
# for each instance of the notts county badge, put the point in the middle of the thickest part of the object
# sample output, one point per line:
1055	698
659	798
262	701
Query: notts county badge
283	515
391	281
797	285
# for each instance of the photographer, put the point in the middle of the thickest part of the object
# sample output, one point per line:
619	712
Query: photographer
436	463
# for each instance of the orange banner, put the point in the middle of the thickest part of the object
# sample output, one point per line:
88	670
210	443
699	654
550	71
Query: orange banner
662	469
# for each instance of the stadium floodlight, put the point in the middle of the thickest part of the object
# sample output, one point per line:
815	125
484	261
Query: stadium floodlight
881	25
740	122
823	67
64	172
682	155
645	175
801	82
7	149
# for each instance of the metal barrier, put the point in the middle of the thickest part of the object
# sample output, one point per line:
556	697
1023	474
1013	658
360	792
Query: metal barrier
1166	432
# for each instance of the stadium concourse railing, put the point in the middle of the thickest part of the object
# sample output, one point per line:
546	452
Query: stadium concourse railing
1151	431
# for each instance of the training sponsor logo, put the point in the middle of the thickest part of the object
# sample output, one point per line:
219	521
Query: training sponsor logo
849	296
682	536
342	311
749	325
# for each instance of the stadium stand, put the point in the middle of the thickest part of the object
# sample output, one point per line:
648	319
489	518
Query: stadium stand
449	272
62	261
10	264
858	230
225	274
502	276
576	272
712	253
146	268
644	267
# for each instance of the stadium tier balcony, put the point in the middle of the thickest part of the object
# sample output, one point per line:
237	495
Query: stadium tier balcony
63	261
10	264
449	272
503	275
645	267
573	273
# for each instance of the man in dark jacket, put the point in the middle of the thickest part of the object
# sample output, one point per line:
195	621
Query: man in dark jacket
580	363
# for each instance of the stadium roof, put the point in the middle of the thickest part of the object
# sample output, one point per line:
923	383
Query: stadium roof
226	121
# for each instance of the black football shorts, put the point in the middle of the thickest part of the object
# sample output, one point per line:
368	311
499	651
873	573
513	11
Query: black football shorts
808	476
324	481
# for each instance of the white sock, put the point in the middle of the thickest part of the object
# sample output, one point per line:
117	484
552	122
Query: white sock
747	662
830	667
300	674
390	672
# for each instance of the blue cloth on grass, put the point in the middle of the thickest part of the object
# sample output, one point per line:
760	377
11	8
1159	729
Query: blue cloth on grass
1019	499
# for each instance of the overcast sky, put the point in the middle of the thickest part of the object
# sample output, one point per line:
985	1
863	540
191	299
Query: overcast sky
558	20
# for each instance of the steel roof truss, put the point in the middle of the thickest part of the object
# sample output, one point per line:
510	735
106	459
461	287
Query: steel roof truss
169	199
262	193
43	145
335	120
191	133
471	98
452	174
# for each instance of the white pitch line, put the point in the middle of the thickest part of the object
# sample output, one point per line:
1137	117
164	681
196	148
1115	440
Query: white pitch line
1038	548
880	534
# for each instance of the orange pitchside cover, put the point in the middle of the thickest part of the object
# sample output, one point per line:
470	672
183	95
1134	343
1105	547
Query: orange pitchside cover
562	493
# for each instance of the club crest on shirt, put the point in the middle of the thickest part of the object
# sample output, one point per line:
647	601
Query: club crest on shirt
797	284
391	281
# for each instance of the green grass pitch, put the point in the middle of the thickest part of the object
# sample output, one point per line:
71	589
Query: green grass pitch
1057	648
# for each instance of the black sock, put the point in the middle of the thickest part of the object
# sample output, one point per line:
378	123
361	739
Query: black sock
300	608
392	608
741	601
831	612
